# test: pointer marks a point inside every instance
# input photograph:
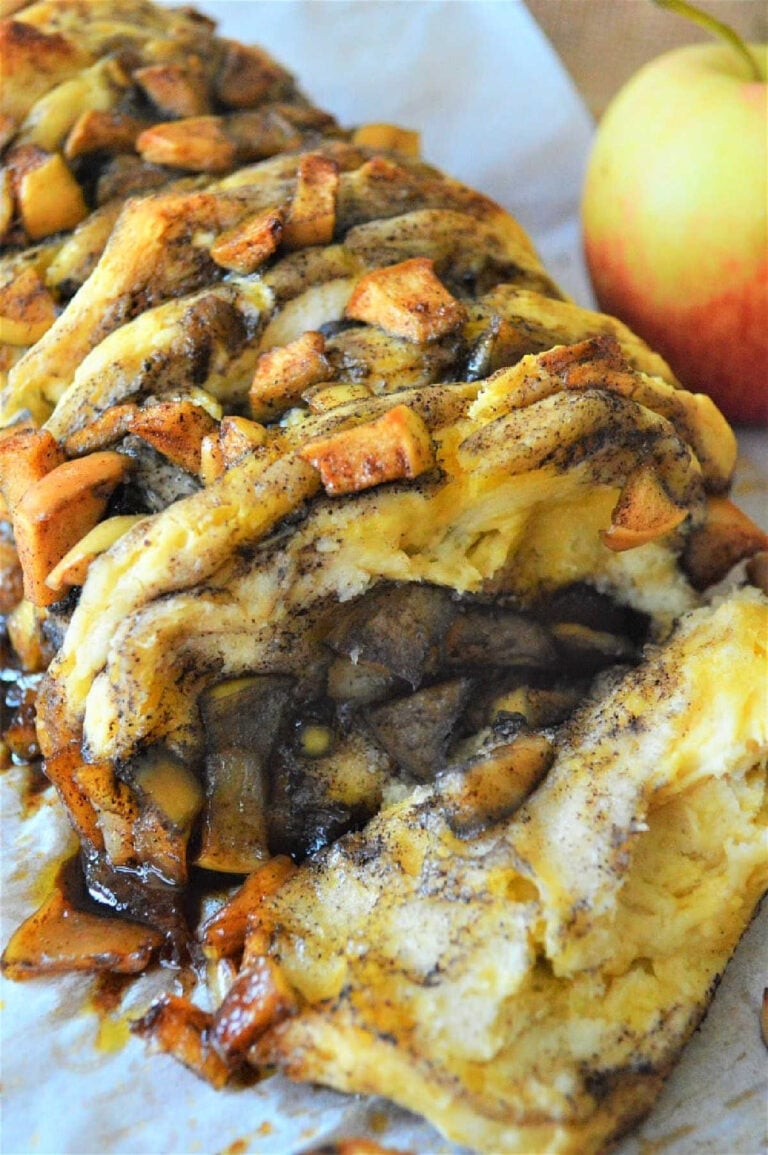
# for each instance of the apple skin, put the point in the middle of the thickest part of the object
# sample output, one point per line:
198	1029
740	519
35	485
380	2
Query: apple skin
675	220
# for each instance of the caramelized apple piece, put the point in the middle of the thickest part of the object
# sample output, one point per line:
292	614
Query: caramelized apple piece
50	199
585	650
212	464
177	1027
538	706
496	636
311	218
25	632
283	373
242	719
396	445
176	429
27	309
251	243
496	781
60	937
26	456
397	630
198	143
57	511
248	75
643	513
170	799
97	129
415	730
407	300
223	935
358	683
105	430
173	89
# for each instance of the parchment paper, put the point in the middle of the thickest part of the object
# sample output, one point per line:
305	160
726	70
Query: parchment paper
496	109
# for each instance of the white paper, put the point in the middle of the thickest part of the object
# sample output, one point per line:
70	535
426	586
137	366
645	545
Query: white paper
495	109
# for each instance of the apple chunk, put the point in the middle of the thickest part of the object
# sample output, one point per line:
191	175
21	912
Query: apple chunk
176	429
57	511
61	936
395	445
312	216
248	245
27	309
50	199
26	456
408	300
176	1026
284	372
643	513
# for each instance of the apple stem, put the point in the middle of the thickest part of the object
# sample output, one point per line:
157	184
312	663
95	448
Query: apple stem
717	28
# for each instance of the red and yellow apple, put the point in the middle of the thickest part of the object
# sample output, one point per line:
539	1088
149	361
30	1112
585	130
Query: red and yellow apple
675	219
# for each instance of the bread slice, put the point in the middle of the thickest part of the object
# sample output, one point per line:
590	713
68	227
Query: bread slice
375	530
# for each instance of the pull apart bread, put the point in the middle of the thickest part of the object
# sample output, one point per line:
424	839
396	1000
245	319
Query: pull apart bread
358	563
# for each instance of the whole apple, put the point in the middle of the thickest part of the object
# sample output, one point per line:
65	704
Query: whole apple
675	219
